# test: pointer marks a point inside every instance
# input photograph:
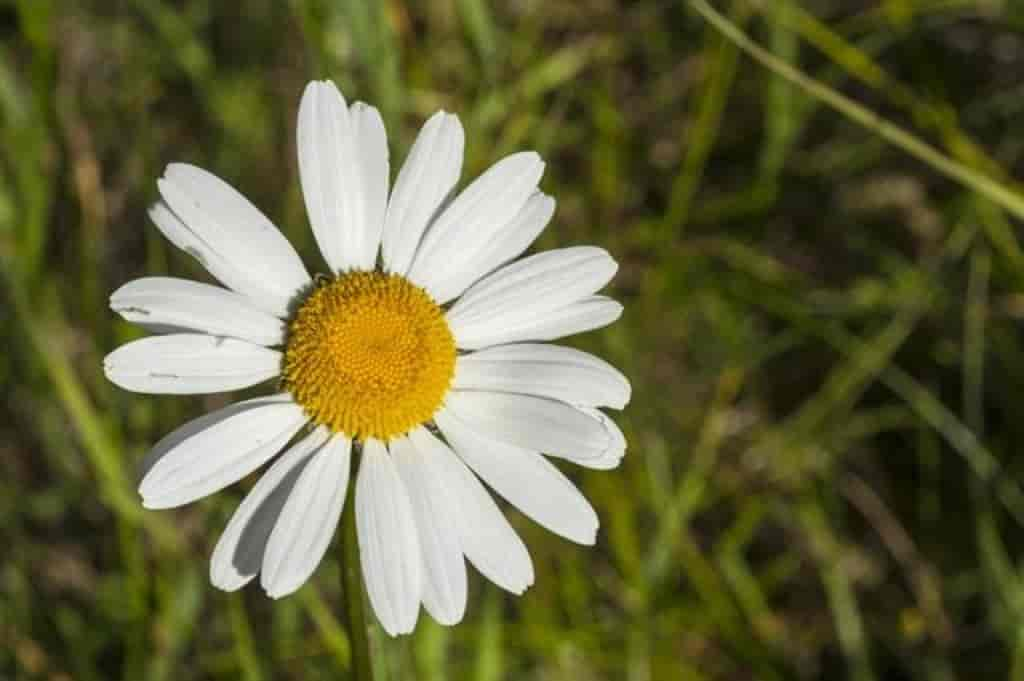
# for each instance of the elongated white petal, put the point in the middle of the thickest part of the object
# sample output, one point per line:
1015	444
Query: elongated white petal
487	539
307	522
226	269
427	177
535	423
503	245
435	511
371	143
611	457
587	314
469	225
343	166
166	302
553	371
323	143
230	236
170	442
239	553
191	463
389	550
190	364
533	286
526	479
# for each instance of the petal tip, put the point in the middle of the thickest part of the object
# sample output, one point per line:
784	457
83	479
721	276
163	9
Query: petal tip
223	580
154	504
277	587
276	594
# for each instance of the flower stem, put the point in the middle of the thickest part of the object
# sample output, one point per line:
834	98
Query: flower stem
352	585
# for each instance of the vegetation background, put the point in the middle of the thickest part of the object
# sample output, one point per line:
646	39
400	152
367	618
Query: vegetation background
823	332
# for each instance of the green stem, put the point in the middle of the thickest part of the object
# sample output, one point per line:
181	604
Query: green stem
984	185
352	583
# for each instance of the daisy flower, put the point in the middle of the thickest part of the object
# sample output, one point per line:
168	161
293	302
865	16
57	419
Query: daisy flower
422	351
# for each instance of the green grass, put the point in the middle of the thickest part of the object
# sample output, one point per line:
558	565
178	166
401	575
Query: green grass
822	274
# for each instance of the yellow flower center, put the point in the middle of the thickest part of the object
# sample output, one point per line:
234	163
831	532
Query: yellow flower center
369	354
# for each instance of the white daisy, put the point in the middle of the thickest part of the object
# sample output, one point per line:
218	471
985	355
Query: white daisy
427	358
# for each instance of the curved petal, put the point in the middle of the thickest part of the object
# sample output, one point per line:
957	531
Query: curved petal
587	314
371	143
533	423
180	304
239	553
553	371
612	455
223	229
193	463
487	539
223	268
427	177
533	286
307	522
435	511
389	550
505	244
190	364
526	479
343	167
469	224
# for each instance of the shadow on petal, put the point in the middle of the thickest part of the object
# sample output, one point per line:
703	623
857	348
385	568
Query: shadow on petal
248	554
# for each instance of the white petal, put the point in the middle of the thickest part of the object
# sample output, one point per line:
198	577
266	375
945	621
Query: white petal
611	457
193	462
225	228
224	268
470	223
324	145
546	281
307	522
190	364
170	442
533	423
427	177
436	513
239	552
553	371
371	143
590	313
487	539
180	304
504	245
389	550
526	479
343	168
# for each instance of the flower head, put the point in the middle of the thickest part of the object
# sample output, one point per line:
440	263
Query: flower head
422	347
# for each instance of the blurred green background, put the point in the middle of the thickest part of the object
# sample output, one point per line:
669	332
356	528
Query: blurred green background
824	335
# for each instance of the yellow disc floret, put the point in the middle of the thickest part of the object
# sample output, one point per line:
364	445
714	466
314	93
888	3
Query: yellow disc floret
369	354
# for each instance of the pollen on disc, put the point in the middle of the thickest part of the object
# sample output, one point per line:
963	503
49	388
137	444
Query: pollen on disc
369	354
